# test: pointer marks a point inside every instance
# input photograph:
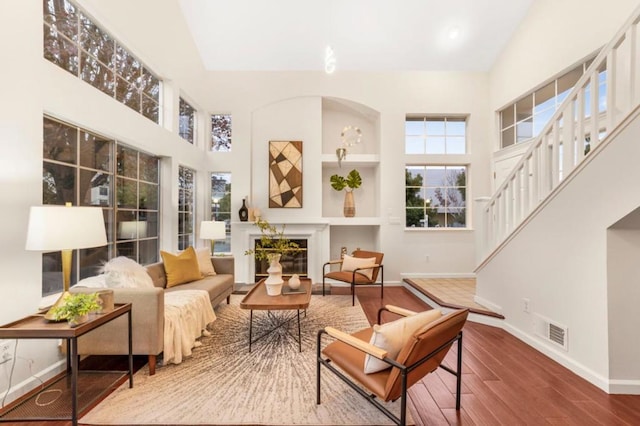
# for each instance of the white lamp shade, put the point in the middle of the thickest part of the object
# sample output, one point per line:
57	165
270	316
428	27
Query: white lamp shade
53	228
212	230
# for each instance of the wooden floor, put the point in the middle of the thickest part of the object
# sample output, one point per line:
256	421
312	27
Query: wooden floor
505	382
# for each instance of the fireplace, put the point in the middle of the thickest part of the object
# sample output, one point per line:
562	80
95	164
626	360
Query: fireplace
291	263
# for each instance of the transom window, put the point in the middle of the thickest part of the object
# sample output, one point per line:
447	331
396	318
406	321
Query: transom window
187	121
75	43
221	133
435	135
525	118
436	196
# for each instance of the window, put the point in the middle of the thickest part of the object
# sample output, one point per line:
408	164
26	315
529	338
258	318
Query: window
187	121
221	133
186	207
79	167
221	208
137	208
436	196
75	43
435	135
525	118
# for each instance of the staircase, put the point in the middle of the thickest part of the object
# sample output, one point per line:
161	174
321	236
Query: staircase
607	93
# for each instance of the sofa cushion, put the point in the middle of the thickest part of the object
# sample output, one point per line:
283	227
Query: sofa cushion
393	335
182	268
204	262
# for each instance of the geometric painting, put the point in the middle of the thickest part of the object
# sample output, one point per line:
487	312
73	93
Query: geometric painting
285	174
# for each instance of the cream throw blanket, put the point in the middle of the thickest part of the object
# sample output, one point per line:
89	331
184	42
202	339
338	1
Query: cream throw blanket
186	316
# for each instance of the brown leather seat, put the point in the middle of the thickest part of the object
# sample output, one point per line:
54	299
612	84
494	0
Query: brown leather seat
355	277
421	354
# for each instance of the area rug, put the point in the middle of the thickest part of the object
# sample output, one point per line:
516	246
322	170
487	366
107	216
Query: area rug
222	383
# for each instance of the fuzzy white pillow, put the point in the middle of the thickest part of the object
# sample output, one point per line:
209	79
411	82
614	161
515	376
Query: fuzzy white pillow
204	262
122	272
393	335
349	263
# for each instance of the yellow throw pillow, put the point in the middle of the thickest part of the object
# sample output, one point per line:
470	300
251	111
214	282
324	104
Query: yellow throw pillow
393	335
182	268
349	263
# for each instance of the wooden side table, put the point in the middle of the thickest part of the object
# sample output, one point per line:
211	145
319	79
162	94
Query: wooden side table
37	327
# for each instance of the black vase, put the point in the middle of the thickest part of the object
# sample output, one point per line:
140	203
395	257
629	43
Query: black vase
243	212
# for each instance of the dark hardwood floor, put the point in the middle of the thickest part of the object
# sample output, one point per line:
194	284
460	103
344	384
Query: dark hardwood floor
505	382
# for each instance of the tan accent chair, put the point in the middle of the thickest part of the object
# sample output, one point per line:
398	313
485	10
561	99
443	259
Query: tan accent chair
355	277
422	354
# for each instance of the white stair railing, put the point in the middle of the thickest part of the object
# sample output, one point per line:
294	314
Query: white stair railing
606	94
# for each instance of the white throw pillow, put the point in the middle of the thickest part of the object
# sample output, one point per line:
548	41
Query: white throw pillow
122	272
349	263
204	262
97	281
393	335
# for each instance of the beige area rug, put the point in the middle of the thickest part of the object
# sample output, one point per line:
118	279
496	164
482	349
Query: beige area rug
222	383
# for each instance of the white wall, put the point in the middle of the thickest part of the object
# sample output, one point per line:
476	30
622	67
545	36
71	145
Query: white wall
559	261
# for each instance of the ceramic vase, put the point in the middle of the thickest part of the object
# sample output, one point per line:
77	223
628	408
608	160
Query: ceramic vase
349	208
294	282
274	281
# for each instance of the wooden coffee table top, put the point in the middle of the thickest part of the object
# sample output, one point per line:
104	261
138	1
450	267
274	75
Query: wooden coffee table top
257	298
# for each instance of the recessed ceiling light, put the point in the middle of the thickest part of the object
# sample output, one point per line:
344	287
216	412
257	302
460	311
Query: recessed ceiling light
329	60
453	33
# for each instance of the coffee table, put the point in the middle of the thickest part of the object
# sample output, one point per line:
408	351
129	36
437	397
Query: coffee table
258	300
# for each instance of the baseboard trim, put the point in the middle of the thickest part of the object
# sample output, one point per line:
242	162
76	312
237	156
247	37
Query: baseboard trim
23	388
624	387
437	275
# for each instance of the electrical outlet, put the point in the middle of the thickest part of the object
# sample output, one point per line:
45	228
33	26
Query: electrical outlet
526	305
5	351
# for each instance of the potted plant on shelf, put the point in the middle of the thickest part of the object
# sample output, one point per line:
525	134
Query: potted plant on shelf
351	181
273	244
76	308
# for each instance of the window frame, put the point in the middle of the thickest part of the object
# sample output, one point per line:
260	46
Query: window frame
221	141
222	199
186	208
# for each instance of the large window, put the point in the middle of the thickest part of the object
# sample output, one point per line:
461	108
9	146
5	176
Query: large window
187	121
436	196
435	135
221	133
77	44
138	204
435	181
525	118
79	167
186	207
221	208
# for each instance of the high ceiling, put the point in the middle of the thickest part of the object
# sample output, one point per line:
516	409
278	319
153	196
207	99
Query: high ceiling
365	35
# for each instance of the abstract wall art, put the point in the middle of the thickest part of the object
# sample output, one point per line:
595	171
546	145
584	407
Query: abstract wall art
285	174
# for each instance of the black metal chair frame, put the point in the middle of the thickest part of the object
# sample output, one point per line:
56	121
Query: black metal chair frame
353	279
404	371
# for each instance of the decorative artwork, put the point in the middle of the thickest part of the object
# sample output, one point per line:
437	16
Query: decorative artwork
285	174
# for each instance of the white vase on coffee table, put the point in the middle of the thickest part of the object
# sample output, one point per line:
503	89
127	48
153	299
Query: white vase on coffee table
274	281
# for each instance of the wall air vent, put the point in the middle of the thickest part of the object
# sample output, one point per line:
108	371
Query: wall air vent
551	331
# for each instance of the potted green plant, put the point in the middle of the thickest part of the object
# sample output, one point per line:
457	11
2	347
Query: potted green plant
273	244
76	308
351	181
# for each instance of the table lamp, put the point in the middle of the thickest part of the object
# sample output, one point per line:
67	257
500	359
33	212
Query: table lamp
65	228
212	230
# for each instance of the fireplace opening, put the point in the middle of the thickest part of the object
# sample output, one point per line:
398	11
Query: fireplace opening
291	263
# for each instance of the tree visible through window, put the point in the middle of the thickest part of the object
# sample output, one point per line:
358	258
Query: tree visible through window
436	196
221	208
187	121
186	207
221	133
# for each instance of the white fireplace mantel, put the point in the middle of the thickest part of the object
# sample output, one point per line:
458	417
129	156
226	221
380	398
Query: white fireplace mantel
316	232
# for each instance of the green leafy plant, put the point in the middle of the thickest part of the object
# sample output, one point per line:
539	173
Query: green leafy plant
272	241
352	180
75	305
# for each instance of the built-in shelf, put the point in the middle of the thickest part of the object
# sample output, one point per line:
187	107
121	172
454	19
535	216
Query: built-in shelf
352	160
